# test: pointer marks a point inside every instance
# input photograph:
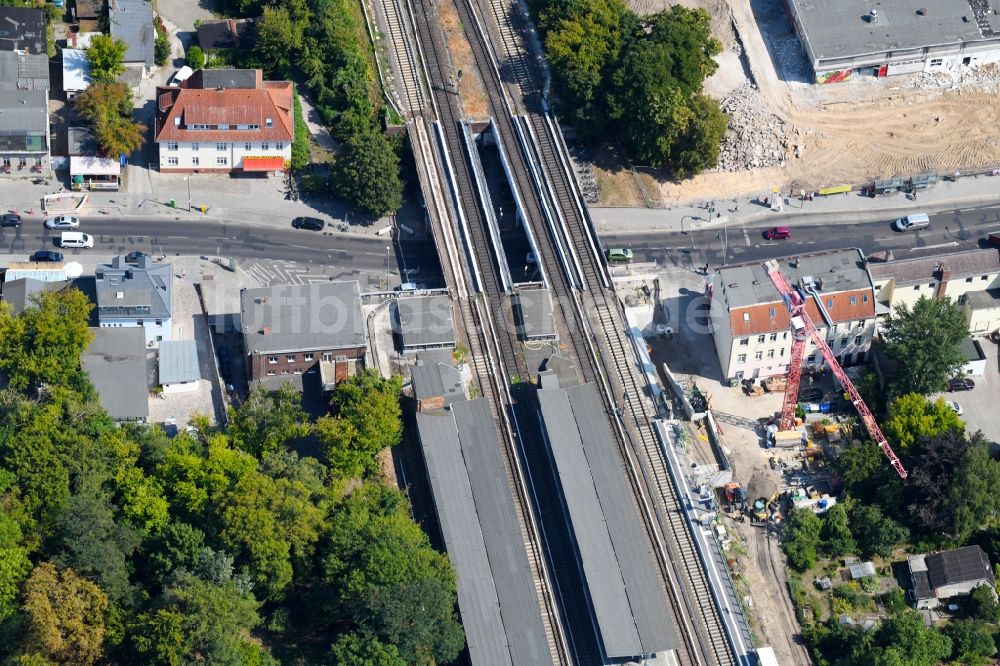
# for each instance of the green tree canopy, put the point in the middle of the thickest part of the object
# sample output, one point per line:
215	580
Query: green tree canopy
356	649
924	342
64	616
14	562
874	532
972	643
802	538
195	57
368	419
836	534
108	107
911	417
106	56
267	420
366	174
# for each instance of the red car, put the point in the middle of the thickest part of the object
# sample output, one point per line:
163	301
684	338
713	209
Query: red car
777	233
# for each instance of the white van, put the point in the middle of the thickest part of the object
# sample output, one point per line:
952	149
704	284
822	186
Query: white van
912	222
75	239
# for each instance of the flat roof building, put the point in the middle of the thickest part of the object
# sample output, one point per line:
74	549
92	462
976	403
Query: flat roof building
886	37
479	524
627	596
532	309
424	322
179	371
23	29
116	362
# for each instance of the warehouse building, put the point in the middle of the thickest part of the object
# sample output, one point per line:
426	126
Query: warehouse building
842	38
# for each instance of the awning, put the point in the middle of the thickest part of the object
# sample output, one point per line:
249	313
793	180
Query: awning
94	166
251	163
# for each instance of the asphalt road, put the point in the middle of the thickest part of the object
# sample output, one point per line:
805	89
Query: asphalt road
415	258
948	231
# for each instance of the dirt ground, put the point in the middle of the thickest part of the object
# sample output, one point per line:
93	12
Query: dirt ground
470	88
848	133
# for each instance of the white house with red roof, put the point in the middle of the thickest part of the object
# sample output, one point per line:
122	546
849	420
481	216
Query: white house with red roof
225	120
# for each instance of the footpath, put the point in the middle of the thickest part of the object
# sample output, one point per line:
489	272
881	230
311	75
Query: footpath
837	209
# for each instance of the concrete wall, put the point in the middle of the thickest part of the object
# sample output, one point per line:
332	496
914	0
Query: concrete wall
207	153
184	387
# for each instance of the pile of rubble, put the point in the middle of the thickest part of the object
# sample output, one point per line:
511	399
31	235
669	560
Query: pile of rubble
984	77
755	137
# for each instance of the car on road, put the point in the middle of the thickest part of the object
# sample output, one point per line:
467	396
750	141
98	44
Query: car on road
47	255
310	223
62	222
777	233
912	222
961	384
619	254
10	220
75	239
957	408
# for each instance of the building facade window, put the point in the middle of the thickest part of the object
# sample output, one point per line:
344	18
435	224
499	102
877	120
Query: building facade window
265	146
854	300
864	298
272	359
194	146
222	161
744	342
307	357
968	280
279	145
290	358
172	161
742	358
38	161
857	340
773	337
327	356
843	341
770	353
760	339
220	146
172	145
758	356
247	146
194	161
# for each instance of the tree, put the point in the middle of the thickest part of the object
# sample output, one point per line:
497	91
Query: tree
195	621
106	56
369	419
108	107
195	57
267	420
984	604
14	562
801	539
875	533
912	417
36	345
972	642
161	45
697	146
356	649
836	532
924	343
366	174
904	640
860	467
278	37
64	616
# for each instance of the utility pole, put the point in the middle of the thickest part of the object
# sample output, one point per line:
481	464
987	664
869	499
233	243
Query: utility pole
387	249
188	179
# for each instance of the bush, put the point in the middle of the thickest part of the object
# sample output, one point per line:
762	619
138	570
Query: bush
161	47
300	144
195	57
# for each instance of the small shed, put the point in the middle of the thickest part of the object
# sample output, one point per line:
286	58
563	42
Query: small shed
425	322
179	369
94	173
533	318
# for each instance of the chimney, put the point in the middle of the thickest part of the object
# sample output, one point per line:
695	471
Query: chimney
943	275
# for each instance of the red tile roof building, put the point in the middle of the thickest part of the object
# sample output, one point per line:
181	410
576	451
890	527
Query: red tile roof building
225	120
751	324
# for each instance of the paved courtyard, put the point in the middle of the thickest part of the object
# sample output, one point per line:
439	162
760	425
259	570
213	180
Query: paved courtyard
979	405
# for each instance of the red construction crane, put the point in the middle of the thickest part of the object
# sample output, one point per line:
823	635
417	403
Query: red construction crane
803	328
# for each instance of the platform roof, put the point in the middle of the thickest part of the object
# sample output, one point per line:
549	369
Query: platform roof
425	321
533	314
627	595
496	594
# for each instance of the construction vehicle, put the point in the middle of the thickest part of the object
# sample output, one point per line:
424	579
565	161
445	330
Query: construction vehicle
736	497
803	329
762	508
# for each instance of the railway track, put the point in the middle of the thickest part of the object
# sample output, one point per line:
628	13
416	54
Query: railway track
606	354
409	88
493	355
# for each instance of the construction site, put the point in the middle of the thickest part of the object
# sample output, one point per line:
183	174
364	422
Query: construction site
790	133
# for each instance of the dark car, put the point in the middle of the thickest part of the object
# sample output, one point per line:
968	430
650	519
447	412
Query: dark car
961	384
10	220
310	223
47	255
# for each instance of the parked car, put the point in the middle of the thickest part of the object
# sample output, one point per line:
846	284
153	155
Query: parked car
777	233
912	222
619	254
62	222
75	239
961	384
47	255
181	75
10	220
310	223
955	406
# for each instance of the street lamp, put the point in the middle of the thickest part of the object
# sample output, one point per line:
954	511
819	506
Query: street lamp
387	249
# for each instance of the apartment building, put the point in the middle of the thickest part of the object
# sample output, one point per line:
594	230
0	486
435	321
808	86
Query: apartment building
933	274
137	294
751	323
225	120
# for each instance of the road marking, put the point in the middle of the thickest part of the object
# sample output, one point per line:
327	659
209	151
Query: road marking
931	247
746	236
885	238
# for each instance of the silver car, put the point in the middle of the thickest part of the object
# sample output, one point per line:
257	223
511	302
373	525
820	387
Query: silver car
62	222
